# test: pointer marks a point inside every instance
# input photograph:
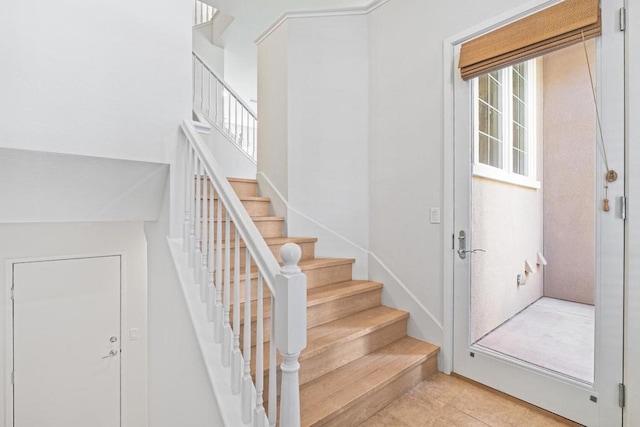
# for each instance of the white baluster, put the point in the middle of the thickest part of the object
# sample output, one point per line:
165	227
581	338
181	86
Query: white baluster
193	79
217	331
235	137
215	119
273	373
291	330
247	385
226	333
187	198
204	268
258	413
211	293
236	357
192	217
197	263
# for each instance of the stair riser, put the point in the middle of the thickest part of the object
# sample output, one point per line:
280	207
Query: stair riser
328	275
315	366
253	207
347	352
308	251
333	310
242	189
270	228
318	314
376	400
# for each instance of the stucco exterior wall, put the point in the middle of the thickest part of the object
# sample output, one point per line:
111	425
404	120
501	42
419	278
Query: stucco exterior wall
569	176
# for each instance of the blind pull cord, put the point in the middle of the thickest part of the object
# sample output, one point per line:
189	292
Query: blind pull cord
611	175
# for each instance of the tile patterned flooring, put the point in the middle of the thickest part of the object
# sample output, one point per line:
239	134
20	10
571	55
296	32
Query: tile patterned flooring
446	401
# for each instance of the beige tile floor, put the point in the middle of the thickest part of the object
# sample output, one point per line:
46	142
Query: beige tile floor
446	401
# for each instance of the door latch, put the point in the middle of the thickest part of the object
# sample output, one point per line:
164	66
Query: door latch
462	246
112	353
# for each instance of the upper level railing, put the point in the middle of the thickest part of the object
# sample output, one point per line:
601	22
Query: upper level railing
237	273
202	12
222	107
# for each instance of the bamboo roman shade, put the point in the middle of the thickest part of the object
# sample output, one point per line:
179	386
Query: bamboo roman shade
534	35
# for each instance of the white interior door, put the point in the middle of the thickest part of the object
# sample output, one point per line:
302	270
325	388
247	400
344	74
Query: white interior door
66	350
592	404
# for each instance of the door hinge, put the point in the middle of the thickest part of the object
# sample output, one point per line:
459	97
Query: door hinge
621	395
453	241
12	294
623	19
623	207
13	378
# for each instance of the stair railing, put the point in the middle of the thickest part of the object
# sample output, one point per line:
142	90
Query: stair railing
216	230
223	108
202	12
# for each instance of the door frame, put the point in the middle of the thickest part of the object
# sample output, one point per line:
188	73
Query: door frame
8	344
449	241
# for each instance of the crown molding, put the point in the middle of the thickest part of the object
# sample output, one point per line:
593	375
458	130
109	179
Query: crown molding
346	11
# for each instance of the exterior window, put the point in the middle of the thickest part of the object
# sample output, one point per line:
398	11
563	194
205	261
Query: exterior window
504	104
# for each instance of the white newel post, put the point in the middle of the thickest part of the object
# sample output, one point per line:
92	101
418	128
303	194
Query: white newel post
291	330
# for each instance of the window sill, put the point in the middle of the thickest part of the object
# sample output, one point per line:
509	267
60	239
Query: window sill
495	174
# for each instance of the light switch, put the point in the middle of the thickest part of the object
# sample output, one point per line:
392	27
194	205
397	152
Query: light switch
435	215
133	334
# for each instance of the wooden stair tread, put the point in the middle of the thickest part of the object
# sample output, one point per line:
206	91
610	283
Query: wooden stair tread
304	264
256	218
323	337
249	180
316	296
245	198
333	393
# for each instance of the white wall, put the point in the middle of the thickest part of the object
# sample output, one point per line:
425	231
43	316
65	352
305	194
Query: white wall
328	117
273	157
179	390
251	19
106	79
406	134
211	55
51	187
233	161
325	127
78	239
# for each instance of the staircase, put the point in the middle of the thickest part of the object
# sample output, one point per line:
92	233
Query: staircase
358	357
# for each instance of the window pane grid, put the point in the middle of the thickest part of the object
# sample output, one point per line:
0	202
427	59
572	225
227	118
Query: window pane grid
503	119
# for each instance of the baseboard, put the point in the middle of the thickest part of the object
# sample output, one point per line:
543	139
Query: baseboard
422	324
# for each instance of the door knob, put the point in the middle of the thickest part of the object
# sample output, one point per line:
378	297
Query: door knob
111	354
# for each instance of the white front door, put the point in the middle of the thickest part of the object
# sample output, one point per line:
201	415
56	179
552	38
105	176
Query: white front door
595	402
66	343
